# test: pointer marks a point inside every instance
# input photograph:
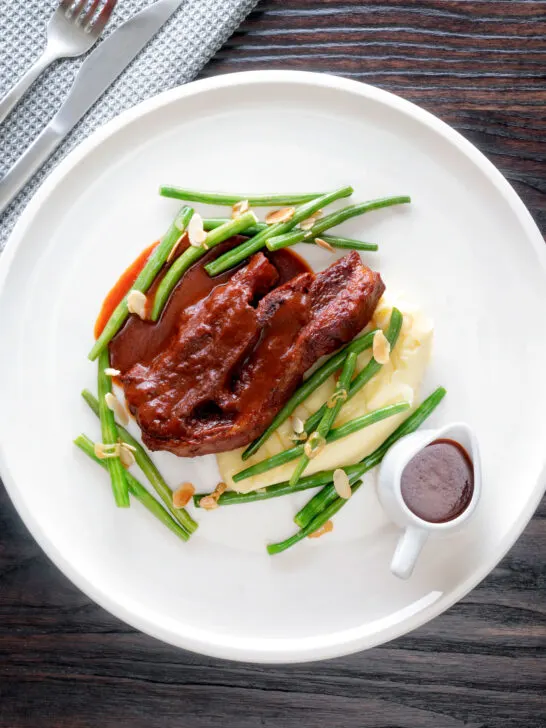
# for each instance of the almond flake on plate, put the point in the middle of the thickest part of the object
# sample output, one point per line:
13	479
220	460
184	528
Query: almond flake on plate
208	503
326	528
174	249
283	215
341	483
126	456
136	303
314	445
107	450
113	403
323	244
183	494
308	223
381	348
196	233
239	207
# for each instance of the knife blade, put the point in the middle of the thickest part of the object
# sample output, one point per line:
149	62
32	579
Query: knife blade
96	74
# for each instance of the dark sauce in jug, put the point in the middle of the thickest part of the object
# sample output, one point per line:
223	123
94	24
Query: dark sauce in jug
437	484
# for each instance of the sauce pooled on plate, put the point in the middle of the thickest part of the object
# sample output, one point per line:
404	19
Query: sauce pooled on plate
437	484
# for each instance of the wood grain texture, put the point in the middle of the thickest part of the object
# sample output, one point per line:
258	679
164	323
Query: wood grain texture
65	663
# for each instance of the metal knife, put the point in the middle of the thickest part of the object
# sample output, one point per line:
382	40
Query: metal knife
97	73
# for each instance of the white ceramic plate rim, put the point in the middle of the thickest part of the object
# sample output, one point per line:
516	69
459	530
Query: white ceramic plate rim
293	650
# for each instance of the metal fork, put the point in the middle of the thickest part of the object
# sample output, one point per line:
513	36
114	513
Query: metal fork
71	31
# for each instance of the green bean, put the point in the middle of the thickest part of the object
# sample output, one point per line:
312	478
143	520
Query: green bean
335	218
210	223
344	243
146	464
137	490
110	434
232	498
317	522
308	387
328	493
243	251
193	253
329	416
217	198
370	370
144	280
286	456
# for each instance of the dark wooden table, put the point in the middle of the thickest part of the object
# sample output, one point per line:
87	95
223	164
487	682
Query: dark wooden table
64	662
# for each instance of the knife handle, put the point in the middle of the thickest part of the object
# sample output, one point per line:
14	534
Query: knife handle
29	163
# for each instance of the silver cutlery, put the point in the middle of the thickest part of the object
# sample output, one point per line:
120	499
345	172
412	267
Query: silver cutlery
96	74
71	31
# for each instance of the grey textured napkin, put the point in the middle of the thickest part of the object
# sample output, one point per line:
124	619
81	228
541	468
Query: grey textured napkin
174	56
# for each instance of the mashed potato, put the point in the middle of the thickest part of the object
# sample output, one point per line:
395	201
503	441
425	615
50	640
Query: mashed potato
397	381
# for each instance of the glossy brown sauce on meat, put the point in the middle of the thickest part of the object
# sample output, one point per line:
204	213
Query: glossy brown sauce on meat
140	341
438	483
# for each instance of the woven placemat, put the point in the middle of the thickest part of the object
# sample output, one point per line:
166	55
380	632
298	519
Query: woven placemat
174	56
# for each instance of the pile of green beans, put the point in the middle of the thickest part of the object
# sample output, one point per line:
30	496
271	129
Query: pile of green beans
335	241
137	490
146	464
338	433
237	255
335	218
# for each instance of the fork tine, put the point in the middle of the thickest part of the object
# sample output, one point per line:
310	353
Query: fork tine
88	17
77	10
103	17
65	5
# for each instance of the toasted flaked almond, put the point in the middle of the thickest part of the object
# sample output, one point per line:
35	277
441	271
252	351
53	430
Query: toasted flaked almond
175	248
308	223
239	207
183	494
314	445
381	348
326	528
106	450
112	372
208	503
136	303
113	403
298	425
341	483
323	244
340	395
283	215
220	488
126	455
132	448
196	233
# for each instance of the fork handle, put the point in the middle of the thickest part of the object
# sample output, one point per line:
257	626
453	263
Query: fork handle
30	162
15	94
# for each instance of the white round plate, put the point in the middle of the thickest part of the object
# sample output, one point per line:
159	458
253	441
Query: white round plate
466	250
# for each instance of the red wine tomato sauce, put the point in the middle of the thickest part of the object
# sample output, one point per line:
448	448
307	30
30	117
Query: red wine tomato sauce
437	484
